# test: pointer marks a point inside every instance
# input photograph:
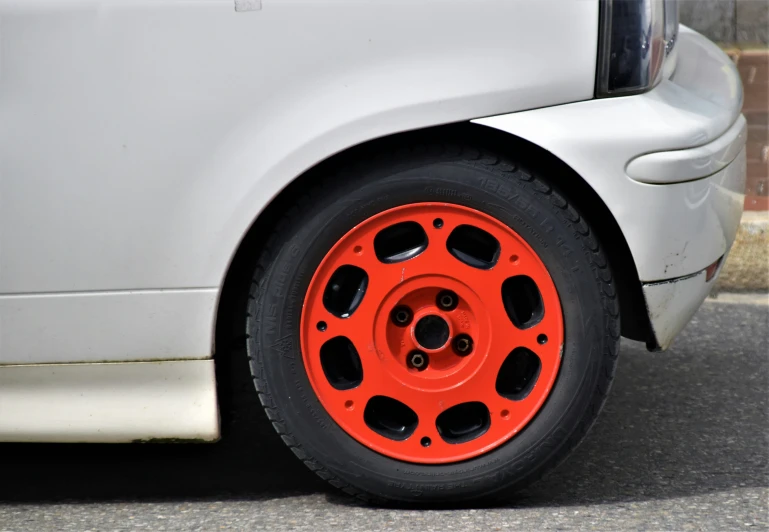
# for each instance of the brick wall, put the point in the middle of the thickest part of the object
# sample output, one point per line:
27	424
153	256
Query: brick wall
754	70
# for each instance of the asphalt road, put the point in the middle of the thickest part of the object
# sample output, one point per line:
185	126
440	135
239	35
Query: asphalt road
681	445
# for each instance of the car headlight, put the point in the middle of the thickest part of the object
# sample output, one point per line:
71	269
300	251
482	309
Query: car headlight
636	37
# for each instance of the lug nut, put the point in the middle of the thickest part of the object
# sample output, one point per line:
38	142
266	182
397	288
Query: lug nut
463	345
418	360
401	316
447	300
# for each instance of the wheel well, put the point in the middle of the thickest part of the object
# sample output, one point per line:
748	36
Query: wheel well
230	331
634	317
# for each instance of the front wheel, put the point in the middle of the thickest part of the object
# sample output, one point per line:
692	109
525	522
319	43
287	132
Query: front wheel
433	327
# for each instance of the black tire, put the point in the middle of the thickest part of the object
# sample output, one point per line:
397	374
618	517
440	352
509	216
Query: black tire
447	173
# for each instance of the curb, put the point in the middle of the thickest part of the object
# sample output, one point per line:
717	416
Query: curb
747	266
739	298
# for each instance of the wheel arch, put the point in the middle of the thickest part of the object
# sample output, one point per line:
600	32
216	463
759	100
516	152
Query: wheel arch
634	317
228	331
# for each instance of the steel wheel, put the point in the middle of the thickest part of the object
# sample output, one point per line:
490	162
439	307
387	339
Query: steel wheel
432	333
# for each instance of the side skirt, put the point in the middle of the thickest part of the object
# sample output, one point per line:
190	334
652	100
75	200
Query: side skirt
111	403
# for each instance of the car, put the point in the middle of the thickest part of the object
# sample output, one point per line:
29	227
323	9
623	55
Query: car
426	223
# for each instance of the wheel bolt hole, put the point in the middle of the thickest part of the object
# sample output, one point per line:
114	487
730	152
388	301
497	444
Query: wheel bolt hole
542	339
418	360
401	316
349	405
447	300
437	223
514	259
505	414
463	345
357	250
426	442
322	326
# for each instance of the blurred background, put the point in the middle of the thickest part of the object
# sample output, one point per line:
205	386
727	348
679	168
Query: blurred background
742	29
732	22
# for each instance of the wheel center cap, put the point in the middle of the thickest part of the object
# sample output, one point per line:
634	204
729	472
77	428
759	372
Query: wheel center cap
431	332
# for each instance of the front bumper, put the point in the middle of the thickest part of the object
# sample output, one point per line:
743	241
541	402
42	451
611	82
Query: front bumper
670	166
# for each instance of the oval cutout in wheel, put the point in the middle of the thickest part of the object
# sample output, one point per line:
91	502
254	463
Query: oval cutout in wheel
518	374
341	363
463	422
345	290
473	246
390	418
399	242
522	301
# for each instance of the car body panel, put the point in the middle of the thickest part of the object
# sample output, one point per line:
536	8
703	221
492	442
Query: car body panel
694	163
139	140
672	304
676	228
111	403
107	326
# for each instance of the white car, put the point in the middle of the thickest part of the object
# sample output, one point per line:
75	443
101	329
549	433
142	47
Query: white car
429	221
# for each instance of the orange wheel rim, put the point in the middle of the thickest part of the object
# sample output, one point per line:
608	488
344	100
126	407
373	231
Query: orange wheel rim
432	333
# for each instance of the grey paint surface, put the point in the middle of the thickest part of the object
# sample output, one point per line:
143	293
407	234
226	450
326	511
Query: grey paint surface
728	21
681	445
